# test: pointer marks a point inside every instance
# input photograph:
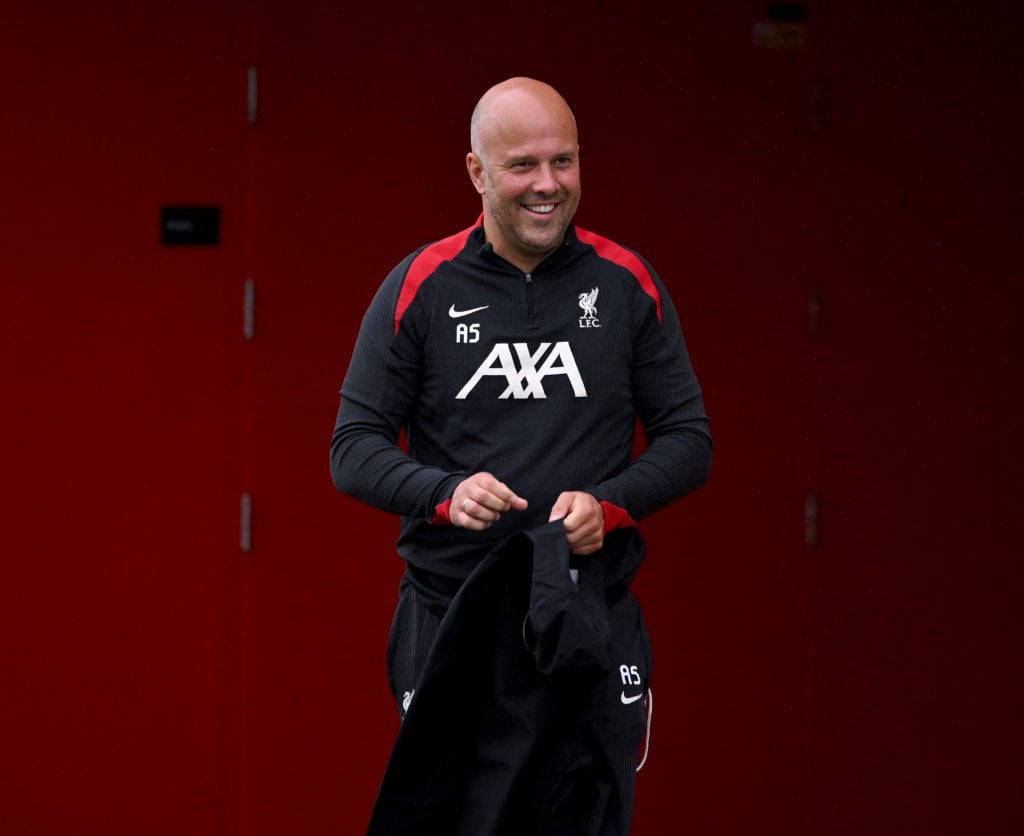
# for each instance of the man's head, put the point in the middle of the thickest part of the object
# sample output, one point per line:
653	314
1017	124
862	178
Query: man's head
525	164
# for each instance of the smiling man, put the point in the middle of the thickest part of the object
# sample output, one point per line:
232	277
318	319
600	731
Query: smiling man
517	356
525	164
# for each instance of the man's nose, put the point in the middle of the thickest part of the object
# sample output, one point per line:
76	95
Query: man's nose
545	181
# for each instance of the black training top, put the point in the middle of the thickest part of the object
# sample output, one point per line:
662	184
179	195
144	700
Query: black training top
538	378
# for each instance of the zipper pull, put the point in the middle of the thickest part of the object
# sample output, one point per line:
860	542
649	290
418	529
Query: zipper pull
531	312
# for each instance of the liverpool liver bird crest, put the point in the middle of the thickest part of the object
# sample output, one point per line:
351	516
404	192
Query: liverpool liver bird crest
587	301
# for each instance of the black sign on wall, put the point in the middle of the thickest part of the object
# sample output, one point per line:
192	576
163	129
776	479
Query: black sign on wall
190	225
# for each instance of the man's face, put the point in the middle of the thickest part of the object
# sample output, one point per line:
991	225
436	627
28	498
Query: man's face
529	176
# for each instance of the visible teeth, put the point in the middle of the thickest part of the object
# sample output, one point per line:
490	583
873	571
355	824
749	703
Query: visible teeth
543	208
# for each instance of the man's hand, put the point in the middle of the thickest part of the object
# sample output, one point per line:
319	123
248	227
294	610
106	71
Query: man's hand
480	500
583	519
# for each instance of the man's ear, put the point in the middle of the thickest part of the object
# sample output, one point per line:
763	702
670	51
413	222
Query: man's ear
475	167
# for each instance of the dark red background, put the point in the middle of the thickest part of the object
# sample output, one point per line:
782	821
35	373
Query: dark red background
156	679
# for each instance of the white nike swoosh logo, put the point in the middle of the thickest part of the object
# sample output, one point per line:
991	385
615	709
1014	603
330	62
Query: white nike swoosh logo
454	314
630	700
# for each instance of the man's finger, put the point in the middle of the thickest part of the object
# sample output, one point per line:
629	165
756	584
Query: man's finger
561	507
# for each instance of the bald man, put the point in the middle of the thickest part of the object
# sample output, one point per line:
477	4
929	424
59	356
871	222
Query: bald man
528	204
517	356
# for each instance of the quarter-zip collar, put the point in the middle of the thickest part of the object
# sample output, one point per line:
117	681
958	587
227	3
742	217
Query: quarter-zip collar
570	249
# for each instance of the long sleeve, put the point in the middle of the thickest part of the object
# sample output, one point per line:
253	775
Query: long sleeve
669	404
368	465
376	399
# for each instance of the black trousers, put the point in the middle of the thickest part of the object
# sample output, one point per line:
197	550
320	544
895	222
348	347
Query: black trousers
489	746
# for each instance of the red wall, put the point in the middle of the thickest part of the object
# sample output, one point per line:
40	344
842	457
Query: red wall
158	679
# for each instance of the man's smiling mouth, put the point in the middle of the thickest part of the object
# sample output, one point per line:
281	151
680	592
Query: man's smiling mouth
541	208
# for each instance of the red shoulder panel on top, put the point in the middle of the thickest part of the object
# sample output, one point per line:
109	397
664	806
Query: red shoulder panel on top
426	263
624	258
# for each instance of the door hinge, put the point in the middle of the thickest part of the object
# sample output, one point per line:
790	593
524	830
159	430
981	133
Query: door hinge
814	312
248	309
811	520
245	524
252	95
